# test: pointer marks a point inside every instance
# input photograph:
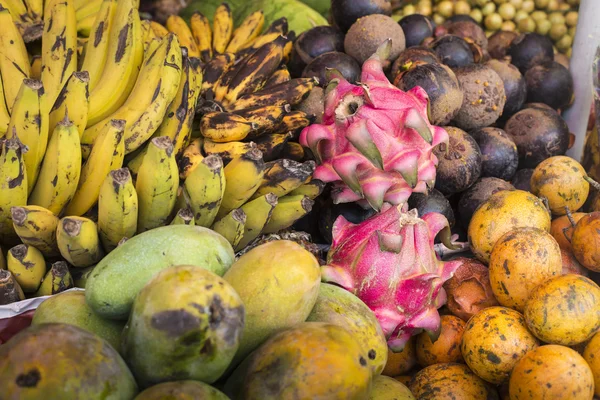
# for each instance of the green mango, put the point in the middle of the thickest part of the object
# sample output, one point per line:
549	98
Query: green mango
71	308
340	307
386	388
117	279
181	390
185	324
60	361
299	15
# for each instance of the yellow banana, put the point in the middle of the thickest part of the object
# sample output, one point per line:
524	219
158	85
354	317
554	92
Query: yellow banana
91	7
59	48
248	30
202	35
158	29
272	145
291	92
179	117
4	114
203	190
294	120
13	185
293	151
106	155
192	156
227	151
84	28
27	265
35	71
258	213
30	124
117	208
282	176
59	174
221	86
231	226
256	69
223	127
35	8
78	241
312	189
213	72
266	118
222	28
288	210
147	104
72	100
57	279
177	25
36	226
125	52
14	60
17	9
288	47
10	291
243	176
156	185
280	76
96	52
184	216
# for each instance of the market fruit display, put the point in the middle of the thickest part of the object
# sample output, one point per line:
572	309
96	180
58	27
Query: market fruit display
240	200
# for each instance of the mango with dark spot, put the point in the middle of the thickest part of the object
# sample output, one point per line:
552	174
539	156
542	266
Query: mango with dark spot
313	360
591	354
494	340
586	241
564	310
185	324
386	388
501	213
444	349
561	180
71	308
181	390
551	372
450	381
522	259
279	284
60	361
340	307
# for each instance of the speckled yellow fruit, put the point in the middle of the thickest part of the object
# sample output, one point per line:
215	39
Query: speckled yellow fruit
551	372
564	310
591	354
560	179
501	213
494	340
340	307
562	230
313	360
446	348
403	361
522	259
449	381
386	388
586	241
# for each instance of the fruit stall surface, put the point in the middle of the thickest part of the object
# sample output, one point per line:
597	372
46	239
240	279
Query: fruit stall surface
286	199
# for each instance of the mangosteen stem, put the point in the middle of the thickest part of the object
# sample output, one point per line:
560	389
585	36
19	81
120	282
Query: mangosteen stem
546	204
569	216
443	251
592	182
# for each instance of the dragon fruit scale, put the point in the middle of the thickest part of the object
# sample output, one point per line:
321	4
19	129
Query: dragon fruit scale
375	143
389	262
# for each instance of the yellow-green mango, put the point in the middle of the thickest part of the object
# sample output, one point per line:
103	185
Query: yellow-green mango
313	360
60	361
279	284
181	390
185	324
340	307
386	388
118	278
71	308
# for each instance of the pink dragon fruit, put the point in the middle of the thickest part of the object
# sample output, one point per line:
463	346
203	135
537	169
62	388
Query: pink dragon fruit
376	141
389	262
